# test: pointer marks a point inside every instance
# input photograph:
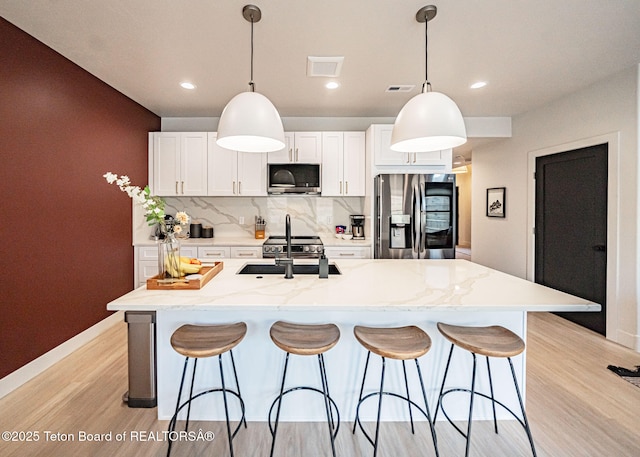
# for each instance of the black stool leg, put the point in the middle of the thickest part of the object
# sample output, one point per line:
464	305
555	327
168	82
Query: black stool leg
493	401
426	406
193	377
444	379
406	385
172	423
325	391
364	376
524	414
235	375
375	444
473	387
226	406
275	428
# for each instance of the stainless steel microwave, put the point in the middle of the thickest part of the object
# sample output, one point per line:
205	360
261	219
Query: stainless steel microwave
293	178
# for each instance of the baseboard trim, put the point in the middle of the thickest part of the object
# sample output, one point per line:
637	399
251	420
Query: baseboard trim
29	371
629	340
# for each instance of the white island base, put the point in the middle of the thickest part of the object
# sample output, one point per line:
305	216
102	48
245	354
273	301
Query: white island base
259	364
368	292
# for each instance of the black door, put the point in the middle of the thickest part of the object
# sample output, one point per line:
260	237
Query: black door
571	228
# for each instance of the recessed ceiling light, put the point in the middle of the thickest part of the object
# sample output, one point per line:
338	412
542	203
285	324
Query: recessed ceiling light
187	85
332	85
478	85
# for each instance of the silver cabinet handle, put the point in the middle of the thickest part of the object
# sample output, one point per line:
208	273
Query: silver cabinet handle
176	187
408	157
296	154
341	187
290	154
346	187
183	187
347	254
234	187
414	157
239	187
246	254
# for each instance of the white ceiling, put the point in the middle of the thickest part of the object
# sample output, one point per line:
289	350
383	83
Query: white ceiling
529	51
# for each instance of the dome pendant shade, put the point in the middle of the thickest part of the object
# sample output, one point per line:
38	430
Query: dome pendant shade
430	121
250	123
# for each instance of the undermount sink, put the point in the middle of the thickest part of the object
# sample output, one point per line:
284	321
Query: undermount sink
272	269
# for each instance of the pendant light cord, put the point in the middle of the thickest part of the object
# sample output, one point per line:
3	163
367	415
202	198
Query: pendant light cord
251	83
426	86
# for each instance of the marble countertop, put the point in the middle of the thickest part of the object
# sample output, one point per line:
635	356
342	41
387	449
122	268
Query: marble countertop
327	240
364	285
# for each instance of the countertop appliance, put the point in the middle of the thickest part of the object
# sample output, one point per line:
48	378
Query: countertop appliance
357	226
415	216
309	247
293	178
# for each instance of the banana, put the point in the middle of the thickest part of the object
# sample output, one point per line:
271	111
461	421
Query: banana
171	270
188	268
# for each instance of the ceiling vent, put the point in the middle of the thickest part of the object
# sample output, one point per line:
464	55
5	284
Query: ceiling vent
324	66
401	88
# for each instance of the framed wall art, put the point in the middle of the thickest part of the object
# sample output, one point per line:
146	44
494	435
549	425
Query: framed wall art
496	202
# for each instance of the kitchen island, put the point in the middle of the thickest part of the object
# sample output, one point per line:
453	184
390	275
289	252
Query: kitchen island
368	292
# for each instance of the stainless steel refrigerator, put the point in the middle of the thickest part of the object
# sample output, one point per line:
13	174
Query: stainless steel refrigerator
415	216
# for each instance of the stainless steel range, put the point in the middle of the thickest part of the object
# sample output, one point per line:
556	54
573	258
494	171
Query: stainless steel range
309	247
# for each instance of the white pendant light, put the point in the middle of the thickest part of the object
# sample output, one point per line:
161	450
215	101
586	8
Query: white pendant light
250	122
430	121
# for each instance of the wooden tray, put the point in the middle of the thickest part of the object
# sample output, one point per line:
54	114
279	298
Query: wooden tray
207	273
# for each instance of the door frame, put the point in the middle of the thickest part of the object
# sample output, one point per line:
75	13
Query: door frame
613	145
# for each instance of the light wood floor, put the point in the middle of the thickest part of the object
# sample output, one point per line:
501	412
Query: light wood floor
577	408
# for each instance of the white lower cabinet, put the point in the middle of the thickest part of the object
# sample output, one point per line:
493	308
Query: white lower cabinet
146	257
347	252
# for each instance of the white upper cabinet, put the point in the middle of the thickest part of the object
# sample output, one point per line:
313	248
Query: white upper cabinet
384	156
178	163
343	164
300	147
235	174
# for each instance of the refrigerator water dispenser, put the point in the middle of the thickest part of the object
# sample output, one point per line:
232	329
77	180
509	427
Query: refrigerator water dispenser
400	231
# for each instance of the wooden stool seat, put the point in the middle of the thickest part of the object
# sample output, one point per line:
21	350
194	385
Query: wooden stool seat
198	341
400	343
304	339
493	341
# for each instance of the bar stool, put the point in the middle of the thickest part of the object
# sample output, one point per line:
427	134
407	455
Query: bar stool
201	341
399	343
306	339
493	341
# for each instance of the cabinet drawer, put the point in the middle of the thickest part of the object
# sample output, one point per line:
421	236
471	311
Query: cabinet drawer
246	253
151	252
211	253
348	252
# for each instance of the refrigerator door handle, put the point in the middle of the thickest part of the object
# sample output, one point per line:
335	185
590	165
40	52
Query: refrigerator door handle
417	223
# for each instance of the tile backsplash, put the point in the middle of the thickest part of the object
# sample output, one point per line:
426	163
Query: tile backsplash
310	215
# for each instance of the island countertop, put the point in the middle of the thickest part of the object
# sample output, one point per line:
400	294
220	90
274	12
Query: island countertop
364	285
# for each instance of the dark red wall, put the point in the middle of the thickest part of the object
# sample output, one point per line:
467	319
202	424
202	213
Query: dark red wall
65	234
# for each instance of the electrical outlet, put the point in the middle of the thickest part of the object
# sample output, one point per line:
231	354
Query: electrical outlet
241	220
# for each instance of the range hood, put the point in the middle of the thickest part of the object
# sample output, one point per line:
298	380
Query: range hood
293	178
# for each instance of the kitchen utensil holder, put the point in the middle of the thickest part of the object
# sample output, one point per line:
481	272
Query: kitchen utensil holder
259	231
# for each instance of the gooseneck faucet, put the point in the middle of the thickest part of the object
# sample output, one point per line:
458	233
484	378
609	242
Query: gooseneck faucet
288	261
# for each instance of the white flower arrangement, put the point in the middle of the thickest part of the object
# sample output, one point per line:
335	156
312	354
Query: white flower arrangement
152	204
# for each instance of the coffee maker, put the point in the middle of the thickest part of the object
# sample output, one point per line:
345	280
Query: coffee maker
357	226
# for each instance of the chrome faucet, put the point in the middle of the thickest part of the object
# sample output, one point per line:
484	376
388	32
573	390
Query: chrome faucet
287	261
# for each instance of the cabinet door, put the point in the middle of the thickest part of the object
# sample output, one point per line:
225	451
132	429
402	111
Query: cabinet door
332	164
353	164
193	164
166	163
222	166
383	155
284	155
252	174
307	147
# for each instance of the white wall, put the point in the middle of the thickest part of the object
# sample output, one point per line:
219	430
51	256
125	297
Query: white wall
609	107
463	182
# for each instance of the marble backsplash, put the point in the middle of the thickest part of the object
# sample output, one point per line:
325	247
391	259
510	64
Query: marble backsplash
310	215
